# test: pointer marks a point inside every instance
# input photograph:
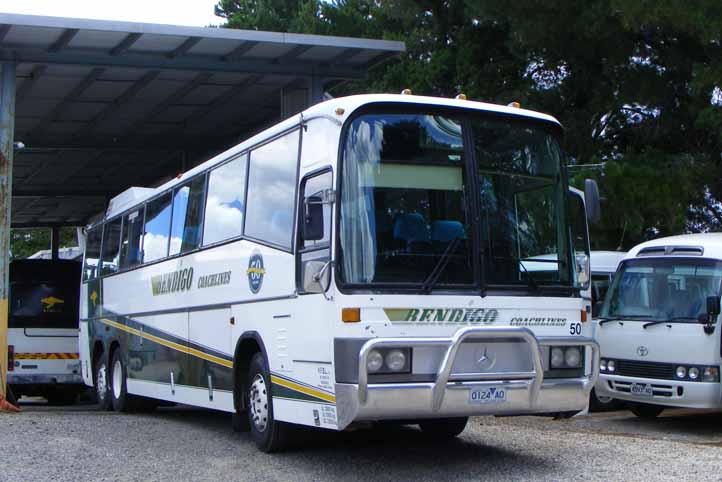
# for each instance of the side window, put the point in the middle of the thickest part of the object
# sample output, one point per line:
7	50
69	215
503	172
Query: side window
130	247
111	247
185	233
157	228
225	203
92	253
313	189
272	191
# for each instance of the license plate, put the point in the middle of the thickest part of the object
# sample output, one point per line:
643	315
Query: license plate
487	395
641	389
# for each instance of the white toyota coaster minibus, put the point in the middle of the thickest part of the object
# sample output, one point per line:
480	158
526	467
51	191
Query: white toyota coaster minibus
360	261
658	328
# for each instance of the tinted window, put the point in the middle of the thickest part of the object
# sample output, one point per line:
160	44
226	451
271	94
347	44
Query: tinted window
225	204
92	253
130	248
43	304
157	229
111	247
314	188
187	208
271	189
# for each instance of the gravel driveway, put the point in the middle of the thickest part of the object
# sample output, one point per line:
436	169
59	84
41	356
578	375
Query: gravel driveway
179	444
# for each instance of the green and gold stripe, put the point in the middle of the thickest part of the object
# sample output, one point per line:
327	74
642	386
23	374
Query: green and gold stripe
299	390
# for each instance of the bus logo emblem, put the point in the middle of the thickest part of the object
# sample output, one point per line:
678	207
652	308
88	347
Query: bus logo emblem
642	350
255	272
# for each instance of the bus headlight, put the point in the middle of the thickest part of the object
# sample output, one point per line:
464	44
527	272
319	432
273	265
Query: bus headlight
681	372
572	357
693	373
557	357
374	361
565	357
611	366
603	365
395	360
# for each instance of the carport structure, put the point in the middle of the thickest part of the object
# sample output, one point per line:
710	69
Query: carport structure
90	108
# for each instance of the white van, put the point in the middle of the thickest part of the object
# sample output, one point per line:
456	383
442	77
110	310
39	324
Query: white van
658	328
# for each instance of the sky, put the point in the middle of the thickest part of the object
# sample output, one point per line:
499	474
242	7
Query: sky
197	13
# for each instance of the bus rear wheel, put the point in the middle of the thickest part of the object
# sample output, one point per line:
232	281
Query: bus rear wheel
268	434
444	428
645	410
102	387
122	400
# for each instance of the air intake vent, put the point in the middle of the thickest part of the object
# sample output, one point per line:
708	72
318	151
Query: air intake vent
672	251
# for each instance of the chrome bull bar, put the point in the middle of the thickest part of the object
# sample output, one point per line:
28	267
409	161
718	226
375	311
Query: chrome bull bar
535	378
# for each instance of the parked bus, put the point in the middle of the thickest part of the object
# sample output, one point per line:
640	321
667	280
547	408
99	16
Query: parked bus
361	261
658	327
43	330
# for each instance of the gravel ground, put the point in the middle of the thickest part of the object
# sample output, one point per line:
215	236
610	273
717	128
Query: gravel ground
179	444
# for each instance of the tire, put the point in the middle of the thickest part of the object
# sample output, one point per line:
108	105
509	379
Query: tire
268	434
444	428
122	400
645	410
102	387
602	404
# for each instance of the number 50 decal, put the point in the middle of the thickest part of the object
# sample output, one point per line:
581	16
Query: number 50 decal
575	329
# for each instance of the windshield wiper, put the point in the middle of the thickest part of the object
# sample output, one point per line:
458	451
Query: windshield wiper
607	319
430	280
531	282
669	320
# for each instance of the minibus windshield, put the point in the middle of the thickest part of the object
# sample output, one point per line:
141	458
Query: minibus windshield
413	183
662	289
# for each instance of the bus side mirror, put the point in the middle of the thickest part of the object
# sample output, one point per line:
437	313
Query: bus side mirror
312	229
713	305
591	200
316	276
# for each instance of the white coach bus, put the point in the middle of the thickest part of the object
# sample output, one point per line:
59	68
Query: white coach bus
658	327
360	261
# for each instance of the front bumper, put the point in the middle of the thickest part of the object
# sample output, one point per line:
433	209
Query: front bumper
670	393
448	396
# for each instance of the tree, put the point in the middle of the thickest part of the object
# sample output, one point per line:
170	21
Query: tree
636	85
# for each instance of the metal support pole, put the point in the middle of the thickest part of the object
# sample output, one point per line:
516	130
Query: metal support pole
55	243
315	91
7	131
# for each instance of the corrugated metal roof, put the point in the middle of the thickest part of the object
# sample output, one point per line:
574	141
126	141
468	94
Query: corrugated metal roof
104	105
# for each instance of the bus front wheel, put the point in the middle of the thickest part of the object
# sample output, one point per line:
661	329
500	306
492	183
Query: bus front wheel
268	434
444	427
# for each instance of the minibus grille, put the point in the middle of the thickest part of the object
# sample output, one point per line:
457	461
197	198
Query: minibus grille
632	368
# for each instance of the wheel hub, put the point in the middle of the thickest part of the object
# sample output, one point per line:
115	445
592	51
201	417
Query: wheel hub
258	398
102	383
117	379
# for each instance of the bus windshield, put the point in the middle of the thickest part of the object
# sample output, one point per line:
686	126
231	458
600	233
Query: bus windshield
663	289
414	183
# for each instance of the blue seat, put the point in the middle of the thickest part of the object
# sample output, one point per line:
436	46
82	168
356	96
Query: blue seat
412	228
445	231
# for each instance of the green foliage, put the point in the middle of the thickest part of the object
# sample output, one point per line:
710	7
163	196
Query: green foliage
632	82
26	242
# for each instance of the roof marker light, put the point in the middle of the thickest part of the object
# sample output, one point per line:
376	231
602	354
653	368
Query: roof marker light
461	96
340	110
406	92
514	104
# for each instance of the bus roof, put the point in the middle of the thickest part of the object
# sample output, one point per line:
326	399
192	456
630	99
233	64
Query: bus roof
347	105
708	245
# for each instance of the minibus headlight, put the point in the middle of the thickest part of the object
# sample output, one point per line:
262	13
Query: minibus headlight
395	360
572	357
681	372
693	373
611	366
710	374
374	361
557	357
602	365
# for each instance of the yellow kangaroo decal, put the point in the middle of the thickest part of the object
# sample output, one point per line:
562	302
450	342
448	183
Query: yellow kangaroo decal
50	302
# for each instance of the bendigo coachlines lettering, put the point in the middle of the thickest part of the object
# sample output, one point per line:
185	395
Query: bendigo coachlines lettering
475	315
165	283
